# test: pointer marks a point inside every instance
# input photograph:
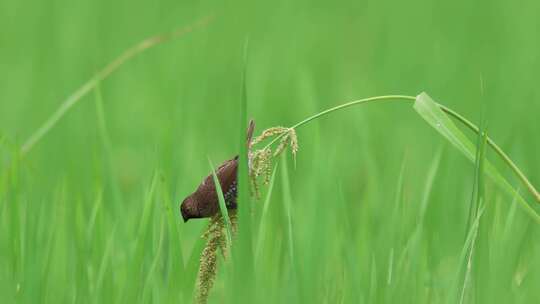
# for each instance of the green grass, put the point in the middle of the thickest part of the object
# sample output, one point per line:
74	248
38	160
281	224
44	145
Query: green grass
377	208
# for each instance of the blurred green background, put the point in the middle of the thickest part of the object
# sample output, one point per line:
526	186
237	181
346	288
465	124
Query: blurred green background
73	212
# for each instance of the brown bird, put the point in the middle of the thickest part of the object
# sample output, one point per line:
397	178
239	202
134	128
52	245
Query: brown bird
204	201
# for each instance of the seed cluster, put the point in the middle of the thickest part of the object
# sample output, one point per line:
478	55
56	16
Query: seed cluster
261	159
215	240
260	167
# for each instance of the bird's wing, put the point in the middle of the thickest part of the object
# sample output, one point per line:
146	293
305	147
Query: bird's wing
226	174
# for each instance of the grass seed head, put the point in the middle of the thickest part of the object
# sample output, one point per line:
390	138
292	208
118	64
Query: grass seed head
283	143
294	143
269	133
261	160
260	166
215	240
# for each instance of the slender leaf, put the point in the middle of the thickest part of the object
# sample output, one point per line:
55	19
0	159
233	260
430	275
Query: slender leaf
432	114
222	206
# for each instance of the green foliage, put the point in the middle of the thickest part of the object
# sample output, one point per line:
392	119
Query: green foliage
431	112
377	208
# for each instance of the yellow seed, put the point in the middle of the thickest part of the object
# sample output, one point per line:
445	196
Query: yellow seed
282	145
294	143
269	133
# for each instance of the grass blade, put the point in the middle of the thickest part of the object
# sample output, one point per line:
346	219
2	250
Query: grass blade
243	259
262	221
222	207
477	204
432	114
287	201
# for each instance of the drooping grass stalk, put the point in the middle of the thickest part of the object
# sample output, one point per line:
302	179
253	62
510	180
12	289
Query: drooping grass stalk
353	103
76	96
447	110
343	106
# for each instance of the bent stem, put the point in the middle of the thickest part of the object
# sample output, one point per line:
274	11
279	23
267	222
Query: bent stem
343	106
447	110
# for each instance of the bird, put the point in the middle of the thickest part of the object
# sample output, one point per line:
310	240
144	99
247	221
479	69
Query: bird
203	202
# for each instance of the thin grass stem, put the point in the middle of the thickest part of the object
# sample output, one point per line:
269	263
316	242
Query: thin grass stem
343	106
447	110
222	207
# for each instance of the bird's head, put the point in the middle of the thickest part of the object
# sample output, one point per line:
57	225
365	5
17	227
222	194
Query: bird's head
189	208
